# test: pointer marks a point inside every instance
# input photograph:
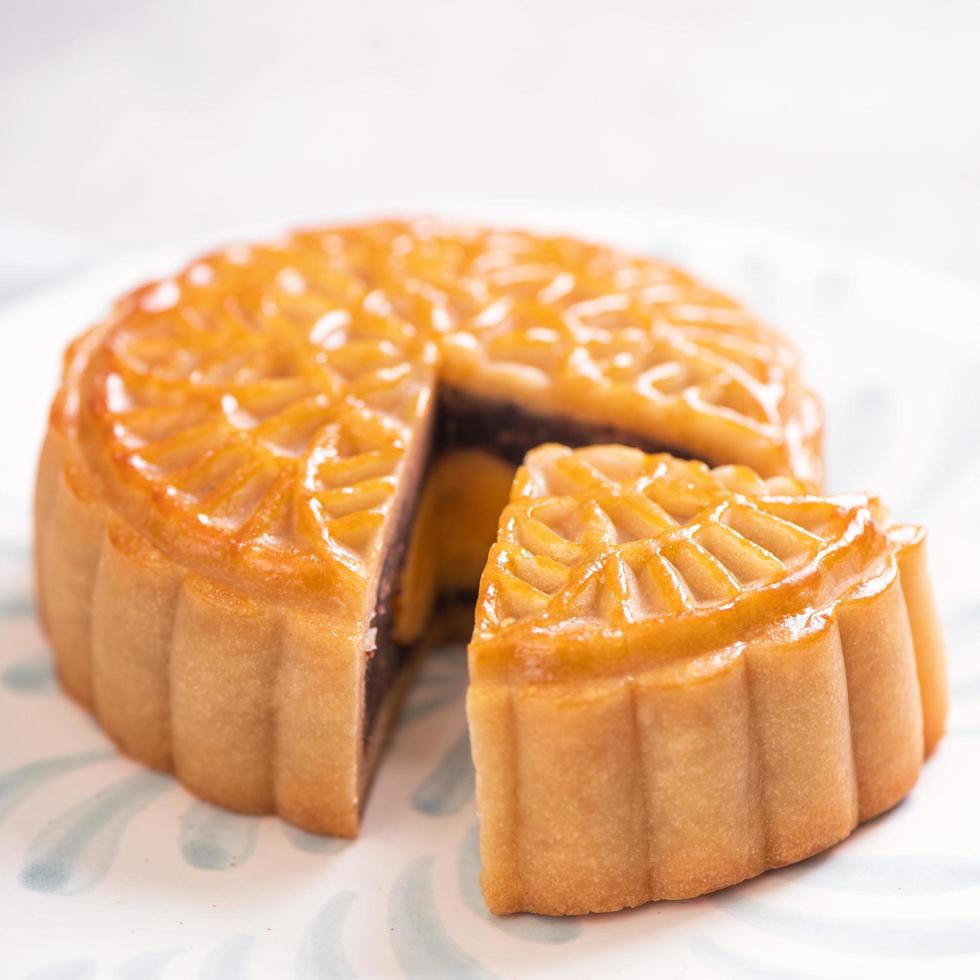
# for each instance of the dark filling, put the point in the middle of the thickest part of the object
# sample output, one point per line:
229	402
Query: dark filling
389	656
465	421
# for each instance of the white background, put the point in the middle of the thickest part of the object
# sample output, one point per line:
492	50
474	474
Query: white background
124	124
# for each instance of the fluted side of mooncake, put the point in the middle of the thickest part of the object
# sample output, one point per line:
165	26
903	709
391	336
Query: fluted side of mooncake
253	707
739	718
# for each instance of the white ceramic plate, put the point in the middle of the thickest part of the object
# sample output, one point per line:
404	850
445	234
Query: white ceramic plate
107	870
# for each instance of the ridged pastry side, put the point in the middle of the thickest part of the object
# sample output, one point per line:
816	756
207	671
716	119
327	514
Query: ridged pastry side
178	669
691	777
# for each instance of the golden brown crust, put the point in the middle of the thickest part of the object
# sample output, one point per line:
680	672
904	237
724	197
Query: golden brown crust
608	547
677	742
252	415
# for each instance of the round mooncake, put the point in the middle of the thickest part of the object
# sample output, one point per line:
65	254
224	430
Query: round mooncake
261	474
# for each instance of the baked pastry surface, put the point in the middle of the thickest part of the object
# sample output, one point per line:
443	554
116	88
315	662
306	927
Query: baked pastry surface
683	676
250	468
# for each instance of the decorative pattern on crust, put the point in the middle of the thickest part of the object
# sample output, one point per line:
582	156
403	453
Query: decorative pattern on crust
612	536
254	414
681	677
263	400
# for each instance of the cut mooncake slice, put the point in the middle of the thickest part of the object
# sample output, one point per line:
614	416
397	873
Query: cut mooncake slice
682	676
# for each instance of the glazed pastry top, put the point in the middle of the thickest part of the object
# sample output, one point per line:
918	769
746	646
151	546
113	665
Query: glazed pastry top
608	558
252	415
